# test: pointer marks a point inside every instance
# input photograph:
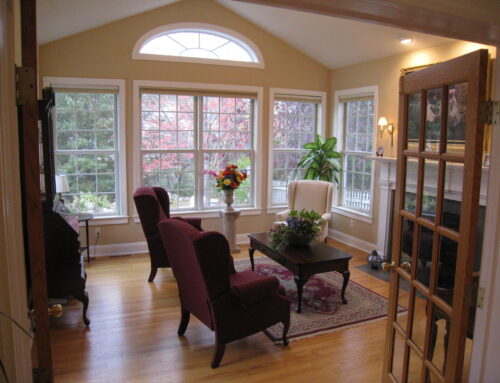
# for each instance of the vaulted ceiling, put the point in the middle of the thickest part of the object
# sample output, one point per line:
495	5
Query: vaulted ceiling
334	42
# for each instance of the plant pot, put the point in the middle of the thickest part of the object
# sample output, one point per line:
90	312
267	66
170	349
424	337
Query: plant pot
229	199
296	240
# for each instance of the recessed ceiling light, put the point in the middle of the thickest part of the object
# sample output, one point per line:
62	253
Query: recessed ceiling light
405	40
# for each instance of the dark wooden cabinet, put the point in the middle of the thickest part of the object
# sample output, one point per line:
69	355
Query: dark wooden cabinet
65	267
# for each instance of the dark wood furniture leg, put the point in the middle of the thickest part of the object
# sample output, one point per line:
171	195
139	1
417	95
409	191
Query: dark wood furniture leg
87	238
184	322
152	275
286	326
84	298
346	274
218	354
251	250
300	282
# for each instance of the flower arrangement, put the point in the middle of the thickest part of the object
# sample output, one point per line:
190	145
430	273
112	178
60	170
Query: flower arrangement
300	228
230	178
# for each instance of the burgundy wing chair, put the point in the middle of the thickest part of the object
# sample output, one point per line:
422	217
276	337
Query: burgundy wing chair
233	304
153	206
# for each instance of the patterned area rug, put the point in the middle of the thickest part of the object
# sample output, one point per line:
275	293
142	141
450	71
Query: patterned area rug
322	308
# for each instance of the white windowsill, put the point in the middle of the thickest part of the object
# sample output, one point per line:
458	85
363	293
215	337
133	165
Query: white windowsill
208	213
276	209
353	214
107	220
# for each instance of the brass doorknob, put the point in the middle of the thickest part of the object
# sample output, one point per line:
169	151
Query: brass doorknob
388	266
406	266
56	311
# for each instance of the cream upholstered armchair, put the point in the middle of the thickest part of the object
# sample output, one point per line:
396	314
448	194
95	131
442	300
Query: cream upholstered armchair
310	195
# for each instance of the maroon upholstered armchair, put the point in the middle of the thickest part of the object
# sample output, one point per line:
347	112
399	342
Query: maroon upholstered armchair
153	206
233	304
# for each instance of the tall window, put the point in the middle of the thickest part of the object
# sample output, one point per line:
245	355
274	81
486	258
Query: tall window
295	123
182	135
357	146
86	149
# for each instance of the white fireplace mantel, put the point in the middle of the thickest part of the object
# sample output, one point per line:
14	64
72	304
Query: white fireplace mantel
387	185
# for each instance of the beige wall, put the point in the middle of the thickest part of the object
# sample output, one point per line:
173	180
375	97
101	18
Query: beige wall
385	74
105	52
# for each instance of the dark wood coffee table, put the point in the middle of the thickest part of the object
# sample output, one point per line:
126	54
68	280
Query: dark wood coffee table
303	262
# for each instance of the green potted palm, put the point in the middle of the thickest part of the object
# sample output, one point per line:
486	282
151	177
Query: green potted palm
322	162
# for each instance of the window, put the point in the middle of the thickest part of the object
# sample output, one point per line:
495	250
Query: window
357	127
296	120
197	42
88	146
185	133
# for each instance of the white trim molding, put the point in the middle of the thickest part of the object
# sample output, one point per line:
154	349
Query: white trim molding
351	241
320	129
337	118
103	83
257	133
243	41
130	248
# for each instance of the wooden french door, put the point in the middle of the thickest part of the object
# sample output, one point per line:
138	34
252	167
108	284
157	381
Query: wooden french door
434	254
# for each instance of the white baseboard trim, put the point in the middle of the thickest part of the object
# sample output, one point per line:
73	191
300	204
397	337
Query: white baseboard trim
352	241
129	248
114	249
242	239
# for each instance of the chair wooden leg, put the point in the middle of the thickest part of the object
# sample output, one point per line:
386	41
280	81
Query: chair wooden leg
152	275
218	354
286	326
184	322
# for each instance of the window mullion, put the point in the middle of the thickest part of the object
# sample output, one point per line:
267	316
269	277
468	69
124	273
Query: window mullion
199	154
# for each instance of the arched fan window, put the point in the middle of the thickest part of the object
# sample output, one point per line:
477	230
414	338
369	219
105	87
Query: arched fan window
202	43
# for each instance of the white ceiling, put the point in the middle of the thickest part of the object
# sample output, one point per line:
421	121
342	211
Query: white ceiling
60	18
332	41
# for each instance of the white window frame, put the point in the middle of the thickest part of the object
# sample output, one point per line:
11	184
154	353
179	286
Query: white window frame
368	91
320	129
100	83
257	138
233	35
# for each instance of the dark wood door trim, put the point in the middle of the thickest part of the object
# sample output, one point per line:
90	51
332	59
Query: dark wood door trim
32	203
481	28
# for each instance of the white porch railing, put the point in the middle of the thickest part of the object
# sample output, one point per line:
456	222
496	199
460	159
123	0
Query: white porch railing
357	199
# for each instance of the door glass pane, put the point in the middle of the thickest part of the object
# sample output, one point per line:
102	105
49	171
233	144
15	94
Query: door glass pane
453	181
398	357
433	120
414	367
456	122
407	231
420	310
431	176
447	262
425	243
414	108
410	202
403	301
439	334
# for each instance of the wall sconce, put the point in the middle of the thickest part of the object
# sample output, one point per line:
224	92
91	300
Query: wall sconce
386	126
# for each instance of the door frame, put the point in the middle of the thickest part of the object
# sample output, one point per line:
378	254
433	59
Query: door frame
490	330
18	361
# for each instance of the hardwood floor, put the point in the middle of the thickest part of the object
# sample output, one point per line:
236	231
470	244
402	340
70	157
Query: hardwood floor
133	337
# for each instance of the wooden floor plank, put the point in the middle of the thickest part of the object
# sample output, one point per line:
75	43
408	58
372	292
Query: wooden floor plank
133	337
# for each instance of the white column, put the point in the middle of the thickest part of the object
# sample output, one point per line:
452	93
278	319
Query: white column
229	218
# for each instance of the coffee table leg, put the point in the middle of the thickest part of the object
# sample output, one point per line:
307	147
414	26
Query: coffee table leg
300	282
346	275
251	250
